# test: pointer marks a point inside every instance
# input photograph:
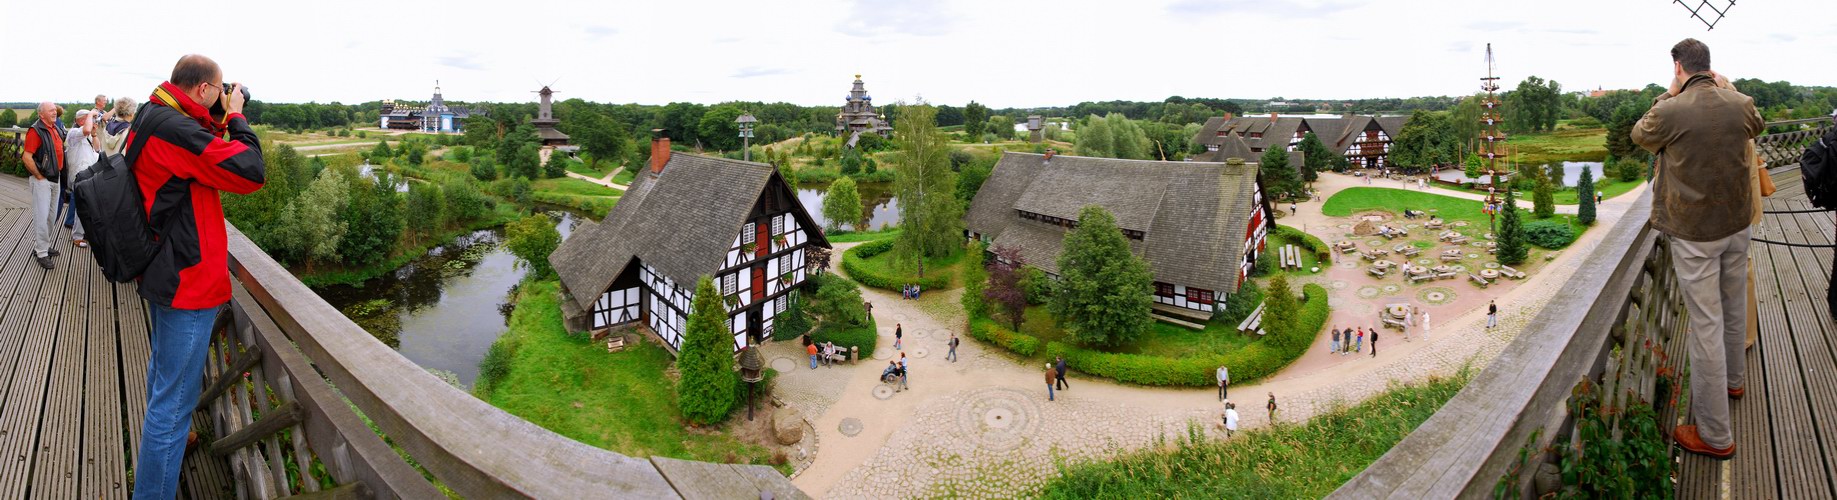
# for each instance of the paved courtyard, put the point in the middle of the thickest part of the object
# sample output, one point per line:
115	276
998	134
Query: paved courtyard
982	427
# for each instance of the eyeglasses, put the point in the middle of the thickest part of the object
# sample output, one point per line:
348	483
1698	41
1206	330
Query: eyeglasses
218	85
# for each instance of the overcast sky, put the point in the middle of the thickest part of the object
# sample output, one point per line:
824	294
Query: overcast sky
1003	54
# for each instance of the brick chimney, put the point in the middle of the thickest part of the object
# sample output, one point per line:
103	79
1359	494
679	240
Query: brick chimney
1229	115
1272	117
1049	153
660	149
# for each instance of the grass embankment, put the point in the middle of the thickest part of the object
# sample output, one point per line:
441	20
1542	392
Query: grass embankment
623	401
1563	144
1609	188
1161	339
1395	201
1308	460
873	264
577	194
861	236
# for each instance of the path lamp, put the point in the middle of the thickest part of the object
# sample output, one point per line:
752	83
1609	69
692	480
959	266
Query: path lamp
746	122
751	372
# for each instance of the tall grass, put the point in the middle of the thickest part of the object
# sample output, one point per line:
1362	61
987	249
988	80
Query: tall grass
1308	460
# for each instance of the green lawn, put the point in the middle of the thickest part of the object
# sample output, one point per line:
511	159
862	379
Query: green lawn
1308	460
625	177
1161	339
884	264
1609	188
854	236
623	401
1308	258
1564	144
1360	199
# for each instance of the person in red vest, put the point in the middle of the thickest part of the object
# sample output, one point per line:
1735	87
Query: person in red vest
44	159
191	156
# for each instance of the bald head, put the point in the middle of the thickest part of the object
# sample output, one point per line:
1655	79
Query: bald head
194	69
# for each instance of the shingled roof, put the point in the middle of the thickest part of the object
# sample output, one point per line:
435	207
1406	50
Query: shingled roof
681	222
1193	214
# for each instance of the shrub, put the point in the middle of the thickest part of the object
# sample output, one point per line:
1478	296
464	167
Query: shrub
975	279
1551	234
792	324
516	189
1626	169
1239	305
852	262
705	393
496	364
836	301
1321	251
857	336
987	330
1036	284
463	201
1253	362
484	169
532	239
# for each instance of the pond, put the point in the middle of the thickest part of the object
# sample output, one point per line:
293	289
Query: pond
1572	173
877	202
443	309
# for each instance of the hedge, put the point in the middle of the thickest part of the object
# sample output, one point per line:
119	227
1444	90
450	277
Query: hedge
1321	251
863	337
852	262
986	330
1550	234
1255	361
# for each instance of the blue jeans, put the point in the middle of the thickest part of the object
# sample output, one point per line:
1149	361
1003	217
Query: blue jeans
1049	392
70	215
175	372
813	361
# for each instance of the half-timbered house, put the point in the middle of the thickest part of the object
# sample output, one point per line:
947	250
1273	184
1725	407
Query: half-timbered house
1199	225
1364	140
684	217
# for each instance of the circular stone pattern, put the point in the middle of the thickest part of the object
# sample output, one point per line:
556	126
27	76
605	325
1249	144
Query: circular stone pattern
1338	285
1425	262
1368	292
1347	264
920	352
1436	295
883	391
850	426
1473	256
1347	227
783	364
1492	265
915	334
883	353
998	419
1460	268
1391	289
1460	223
1375	243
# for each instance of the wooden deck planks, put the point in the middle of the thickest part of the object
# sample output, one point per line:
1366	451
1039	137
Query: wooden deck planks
105	458
21	417
1812	333
60	432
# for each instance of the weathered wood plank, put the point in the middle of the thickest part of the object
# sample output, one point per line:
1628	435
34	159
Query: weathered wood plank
54	470
136	348
205	475
21	417
1787	399
105	460
703	480
1811	334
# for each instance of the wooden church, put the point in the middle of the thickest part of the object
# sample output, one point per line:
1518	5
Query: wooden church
685	217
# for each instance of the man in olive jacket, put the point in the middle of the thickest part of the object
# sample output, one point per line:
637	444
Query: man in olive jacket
1700	130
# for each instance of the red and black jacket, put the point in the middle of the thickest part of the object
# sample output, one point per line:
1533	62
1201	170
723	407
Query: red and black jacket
180	171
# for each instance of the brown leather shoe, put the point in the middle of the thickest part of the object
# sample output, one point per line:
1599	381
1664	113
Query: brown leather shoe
1737	393
1687	438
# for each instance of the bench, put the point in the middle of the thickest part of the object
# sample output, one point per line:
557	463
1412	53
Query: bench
1376	272
1408	250
1446	275
1513	273
1414	278
1252	321
1477	280
1458	240
1393	323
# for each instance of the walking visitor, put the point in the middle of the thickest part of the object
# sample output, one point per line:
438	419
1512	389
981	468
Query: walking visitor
1374	342
1334	345
812	350
1230	419
1492	314
1049	381
1272	409
1059	368
952	355
1700	128
1224	379
899	333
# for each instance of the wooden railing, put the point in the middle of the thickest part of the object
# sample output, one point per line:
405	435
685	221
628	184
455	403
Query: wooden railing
300	397
1617	326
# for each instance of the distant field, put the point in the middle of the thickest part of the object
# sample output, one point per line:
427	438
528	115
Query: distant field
1564	144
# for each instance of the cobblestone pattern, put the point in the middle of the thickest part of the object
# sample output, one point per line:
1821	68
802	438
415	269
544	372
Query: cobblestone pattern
1003	443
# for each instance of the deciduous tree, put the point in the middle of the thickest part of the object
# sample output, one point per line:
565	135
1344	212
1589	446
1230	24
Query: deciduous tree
842	204
931	218
1104	293
532	238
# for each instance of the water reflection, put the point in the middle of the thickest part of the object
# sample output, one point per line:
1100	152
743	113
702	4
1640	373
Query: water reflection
877	202
444	309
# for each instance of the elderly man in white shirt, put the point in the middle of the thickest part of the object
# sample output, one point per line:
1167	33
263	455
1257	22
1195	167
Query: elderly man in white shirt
81	144
1224	377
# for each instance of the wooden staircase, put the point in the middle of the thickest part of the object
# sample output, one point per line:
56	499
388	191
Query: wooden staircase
1179	316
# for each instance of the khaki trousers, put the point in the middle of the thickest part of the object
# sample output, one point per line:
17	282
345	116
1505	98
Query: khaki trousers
1713	275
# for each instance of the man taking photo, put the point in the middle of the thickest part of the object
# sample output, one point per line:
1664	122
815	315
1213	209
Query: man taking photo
1700	130
190	157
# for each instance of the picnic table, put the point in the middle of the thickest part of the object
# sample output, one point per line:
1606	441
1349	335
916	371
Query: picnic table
1407	249
1346	246
1251	322
1432	224
1451	254
1507	271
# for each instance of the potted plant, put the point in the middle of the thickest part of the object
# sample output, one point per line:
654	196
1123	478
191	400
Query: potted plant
748	247
780	241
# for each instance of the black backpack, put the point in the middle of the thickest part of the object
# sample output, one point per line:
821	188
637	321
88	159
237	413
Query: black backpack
1819	170
113	211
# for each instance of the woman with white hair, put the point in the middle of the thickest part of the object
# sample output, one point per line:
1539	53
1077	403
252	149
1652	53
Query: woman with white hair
115	135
